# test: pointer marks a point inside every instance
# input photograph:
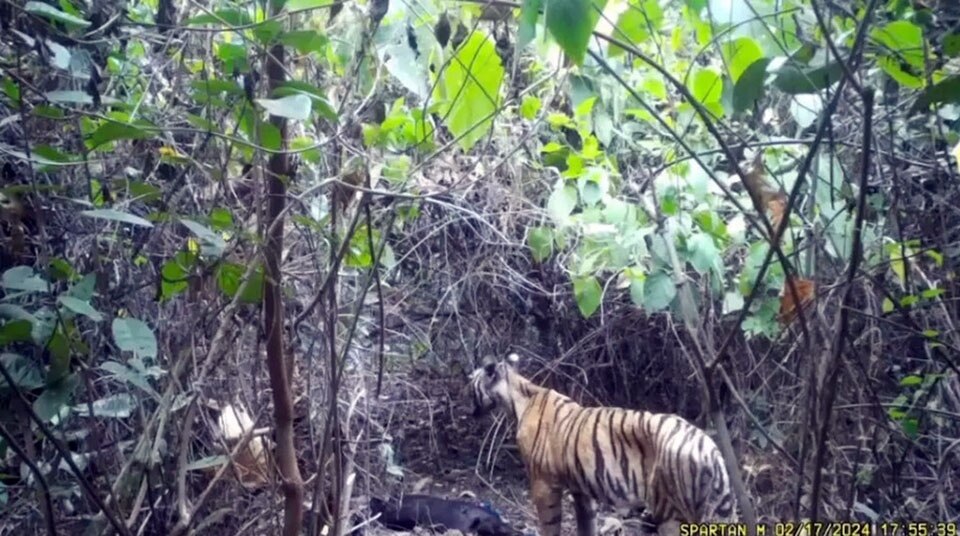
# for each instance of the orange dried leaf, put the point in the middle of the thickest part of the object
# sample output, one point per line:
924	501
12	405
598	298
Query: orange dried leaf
765	196
788	306
777	205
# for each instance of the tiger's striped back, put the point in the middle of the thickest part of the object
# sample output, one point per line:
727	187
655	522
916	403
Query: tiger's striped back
622	457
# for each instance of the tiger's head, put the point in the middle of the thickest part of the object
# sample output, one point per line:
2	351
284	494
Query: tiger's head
490	386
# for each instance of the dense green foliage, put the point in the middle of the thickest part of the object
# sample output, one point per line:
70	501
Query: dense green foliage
135	135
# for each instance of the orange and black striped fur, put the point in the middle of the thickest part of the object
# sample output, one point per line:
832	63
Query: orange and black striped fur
626	458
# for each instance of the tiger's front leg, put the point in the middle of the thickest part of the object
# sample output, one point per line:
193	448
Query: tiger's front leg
585	509
547	500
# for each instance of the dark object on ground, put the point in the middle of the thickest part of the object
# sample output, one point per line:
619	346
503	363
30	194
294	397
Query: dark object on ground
441	515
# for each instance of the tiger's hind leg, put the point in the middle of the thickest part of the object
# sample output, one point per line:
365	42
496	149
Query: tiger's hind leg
586	512
547	500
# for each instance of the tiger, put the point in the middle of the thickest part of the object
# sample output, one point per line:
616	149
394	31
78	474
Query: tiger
626	458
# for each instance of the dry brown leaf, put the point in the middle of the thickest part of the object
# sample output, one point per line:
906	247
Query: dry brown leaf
765	196
777	205
253	467
788	308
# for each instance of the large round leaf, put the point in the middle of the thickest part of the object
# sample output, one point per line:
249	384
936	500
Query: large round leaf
469	89
706	86
588	294
133	335
571	23
740	54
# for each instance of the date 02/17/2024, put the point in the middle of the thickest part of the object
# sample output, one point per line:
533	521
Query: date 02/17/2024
825	528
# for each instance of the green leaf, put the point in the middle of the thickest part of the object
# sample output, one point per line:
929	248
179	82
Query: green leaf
794	80
296	107
12	90
887	305
53	155
25	279
749	88
114	130
233	55
469	89
909	301
540	240
894	69
174	274
529	107
50	112
951	45
654	87
359	254
947	91
15	312
60	56
44	321
712	223
69	97
130	375
903	39
270	137
706	86
307	147
658	292
562	202
207	463
637	277
635	25
529	13
118	406
211	243
911	381
703	252
933	293
588	294
58	348
267	31
133	335
55	398
571	24
229	278
911	427
15	331
300	5
221	219
228	17
61	269
305	41
84	289
49	12
740	54
80	307
214	87
116	215
25	373
323	106
201	123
